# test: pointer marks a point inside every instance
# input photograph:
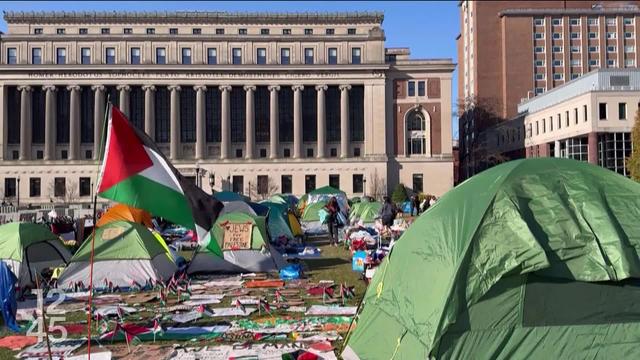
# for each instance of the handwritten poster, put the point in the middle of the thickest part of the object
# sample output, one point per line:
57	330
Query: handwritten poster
237	236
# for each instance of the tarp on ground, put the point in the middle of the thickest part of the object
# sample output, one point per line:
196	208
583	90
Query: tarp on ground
531	259
122	212
255	256
29	248
124	253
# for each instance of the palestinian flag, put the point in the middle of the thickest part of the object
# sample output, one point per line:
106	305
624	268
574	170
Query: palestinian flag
135	172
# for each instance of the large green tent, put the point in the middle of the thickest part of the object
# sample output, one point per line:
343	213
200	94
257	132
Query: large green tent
532	259
124	252
258	257
311	212
365	211
28	248
278	220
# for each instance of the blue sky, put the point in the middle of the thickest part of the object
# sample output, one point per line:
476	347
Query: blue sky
428	28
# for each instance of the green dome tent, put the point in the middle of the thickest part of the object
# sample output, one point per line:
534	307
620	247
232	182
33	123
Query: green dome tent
278	220
255	256
532	259
124	252
365	211
28	248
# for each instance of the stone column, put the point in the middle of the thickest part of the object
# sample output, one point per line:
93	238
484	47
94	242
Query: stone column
592	147
50	122
74	122
174	146
297	121
124	98
98	119
201	140
344	120
322	126
556	151
25	122
250	133
273	121
225	128
150	111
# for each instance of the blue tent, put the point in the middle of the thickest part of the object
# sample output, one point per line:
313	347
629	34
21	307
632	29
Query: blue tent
8	297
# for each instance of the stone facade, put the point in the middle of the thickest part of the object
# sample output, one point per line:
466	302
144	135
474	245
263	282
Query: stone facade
297	98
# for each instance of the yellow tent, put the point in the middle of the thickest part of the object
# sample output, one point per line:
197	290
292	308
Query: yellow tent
296	229
121	212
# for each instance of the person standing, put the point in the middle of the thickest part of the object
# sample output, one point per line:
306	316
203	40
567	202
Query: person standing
332	220
388	212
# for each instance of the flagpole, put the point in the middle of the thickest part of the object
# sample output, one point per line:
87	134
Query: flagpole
93	236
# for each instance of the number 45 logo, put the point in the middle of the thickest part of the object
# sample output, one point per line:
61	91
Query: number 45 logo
36	318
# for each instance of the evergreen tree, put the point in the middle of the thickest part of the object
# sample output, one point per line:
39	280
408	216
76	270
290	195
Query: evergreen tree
633	161
399	194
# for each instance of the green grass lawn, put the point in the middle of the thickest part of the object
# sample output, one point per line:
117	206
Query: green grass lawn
334	264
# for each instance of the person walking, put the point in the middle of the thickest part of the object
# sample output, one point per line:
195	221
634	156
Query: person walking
332	220
388	212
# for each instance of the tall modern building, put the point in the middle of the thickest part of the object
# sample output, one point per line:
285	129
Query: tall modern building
509	51
261	103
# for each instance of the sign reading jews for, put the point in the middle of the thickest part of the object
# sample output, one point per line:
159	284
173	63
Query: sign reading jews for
237	236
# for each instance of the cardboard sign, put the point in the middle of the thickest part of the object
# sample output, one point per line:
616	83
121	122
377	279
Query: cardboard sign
237	236
357	263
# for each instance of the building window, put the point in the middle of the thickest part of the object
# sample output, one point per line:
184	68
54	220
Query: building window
358	183
36	56
592	21
538	21
602	111
538	36
151	31
356	152
551	123
594	62
173	31
539	49
575	35
593	35
629	49
61	56
333	152
34	187
559	121
88	154
556	21
110	55
539	90
557	36
286	31
418	183
611	62
629	62
59	187
309	183
237	100
332	56
286	153
161	56
187	114
334	181
308	56
575	115
566	118
12	56
557	62
60	31
238	153
594	49
416	133
544	126
242	31
351	31
537	128
330	31
611	21
286	184
411	88
135	56
575	75
309	152
539	63
212	56
355	55
238	184
612	35
421	89
611	49
628	21
186	56
127	31
261	56
539	76
556	49
196	31
37	31
285	56
236	56
575	21
219	31
308	31
85	186
622	111
628	35
584	112
9	187
85	56
613	150
263	185
575	62
162	110
263	153
105	31
575	49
